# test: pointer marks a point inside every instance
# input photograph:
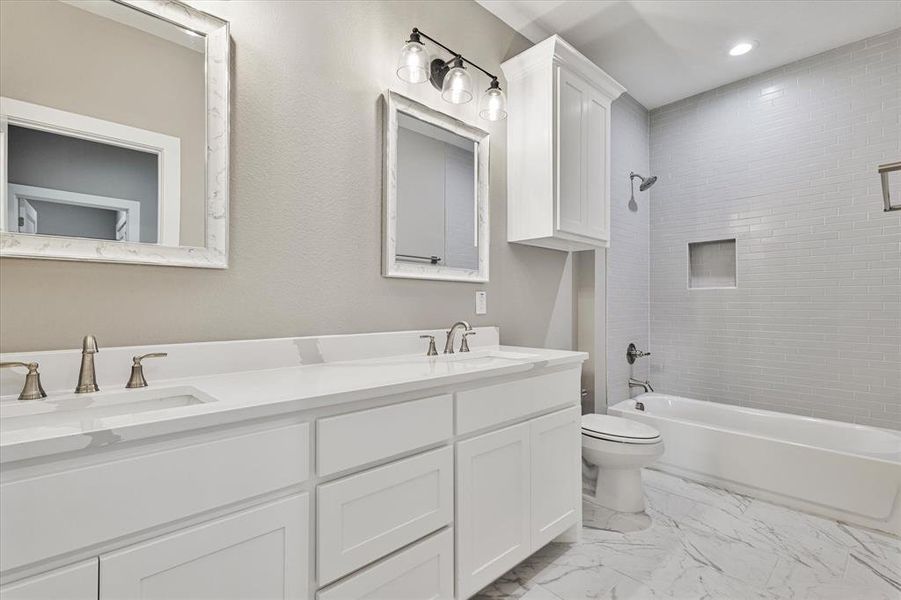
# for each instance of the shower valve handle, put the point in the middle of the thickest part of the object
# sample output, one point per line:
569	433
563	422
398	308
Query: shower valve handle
633	353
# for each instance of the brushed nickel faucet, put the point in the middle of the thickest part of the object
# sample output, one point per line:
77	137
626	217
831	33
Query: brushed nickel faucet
87	378
32	390
449	344
642	384
137	369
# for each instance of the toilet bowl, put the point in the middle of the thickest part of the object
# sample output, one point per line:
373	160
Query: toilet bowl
619	448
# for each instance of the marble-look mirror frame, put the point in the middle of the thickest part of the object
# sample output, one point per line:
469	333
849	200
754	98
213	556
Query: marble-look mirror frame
214	254
395	103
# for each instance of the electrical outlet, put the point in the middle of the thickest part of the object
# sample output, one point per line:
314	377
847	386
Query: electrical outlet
481	303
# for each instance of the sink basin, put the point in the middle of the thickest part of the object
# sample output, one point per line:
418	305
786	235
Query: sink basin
487	358
74	410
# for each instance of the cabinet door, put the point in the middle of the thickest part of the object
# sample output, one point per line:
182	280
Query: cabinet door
597	171
556	474
261	552
572	139
75	582
492	506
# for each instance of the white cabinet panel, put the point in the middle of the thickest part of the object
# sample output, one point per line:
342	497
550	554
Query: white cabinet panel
260	553
364	517
75	582
597	166
361	437
572	119
424	571
112	499
556	474
493	492
483	407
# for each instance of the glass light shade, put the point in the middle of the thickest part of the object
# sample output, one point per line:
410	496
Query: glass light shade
413	65
457	87
493	105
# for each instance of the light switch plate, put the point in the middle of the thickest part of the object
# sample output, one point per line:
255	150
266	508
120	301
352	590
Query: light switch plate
481	303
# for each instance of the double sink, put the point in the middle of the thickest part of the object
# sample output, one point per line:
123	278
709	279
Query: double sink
78	410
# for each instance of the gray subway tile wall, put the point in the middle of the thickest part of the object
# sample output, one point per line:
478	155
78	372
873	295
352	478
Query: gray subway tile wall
785	163
628	301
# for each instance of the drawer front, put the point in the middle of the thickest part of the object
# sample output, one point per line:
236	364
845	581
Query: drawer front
75	582
424	571
108	500
262	552
364	517
495	404
354	439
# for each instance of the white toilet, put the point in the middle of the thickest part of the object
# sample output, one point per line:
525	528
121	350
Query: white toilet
619	448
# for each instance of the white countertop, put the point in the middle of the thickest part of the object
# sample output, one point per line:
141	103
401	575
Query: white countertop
35	428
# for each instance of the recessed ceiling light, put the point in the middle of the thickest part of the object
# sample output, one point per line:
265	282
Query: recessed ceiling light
742	48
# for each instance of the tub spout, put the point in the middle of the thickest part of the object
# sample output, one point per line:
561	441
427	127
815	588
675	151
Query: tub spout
642	384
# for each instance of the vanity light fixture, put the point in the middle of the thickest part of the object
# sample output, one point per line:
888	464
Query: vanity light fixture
450	77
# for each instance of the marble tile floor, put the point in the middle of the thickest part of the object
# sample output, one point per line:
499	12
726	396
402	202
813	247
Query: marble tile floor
712	544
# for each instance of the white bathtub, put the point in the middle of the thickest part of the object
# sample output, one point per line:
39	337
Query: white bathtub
843	471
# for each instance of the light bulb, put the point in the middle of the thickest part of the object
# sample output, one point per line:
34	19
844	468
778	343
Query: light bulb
493	105
413	65
457	86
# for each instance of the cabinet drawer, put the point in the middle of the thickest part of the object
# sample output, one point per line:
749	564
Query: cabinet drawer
364	517
424	571
75	582
262	552
354	439
111	499
494	404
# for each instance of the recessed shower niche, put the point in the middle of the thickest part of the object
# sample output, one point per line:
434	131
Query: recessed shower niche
711	265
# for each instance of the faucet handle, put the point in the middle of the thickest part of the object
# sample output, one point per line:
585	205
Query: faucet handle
137	369
32	390
464	345
432	350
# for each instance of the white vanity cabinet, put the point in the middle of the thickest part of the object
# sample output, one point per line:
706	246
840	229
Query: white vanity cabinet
431	492
558	148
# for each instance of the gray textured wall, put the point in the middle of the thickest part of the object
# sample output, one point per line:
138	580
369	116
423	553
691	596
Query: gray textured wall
785	162
306	202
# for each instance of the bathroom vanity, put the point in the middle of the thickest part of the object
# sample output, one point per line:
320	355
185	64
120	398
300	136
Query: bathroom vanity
332	467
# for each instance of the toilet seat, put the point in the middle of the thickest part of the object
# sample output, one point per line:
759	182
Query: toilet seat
618	429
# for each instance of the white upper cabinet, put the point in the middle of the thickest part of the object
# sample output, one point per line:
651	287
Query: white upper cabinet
558	148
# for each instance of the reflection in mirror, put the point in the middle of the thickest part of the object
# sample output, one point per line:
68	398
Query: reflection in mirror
436	195
104	115
436	192
119	67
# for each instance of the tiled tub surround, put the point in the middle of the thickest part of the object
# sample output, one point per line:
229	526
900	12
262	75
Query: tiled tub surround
627	257
328	467
839	470
709	543
785	163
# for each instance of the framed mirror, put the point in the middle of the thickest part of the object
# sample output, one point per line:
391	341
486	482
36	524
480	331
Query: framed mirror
436	195
114	132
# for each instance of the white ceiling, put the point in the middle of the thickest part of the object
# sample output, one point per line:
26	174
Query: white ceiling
666	50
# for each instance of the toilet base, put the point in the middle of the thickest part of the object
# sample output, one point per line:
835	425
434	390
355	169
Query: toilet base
619	490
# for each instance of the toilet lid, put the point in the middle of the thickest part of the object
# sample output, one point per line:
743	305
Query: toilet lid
618	429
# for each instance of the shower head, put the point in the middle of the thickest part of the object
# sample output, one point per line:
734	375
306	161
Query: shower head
645	182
